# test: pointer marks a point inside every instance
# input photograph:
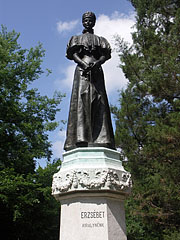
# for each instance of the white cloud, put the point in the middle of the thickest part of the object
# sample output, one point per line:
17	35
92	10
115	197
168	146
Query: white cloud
62	134
107	27
116	24
68	79
58	144
66	26
57	148
114	77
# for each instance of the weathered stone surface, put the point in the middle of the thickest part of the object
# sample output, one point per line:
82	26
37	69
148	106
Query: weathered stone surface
91	169
92	218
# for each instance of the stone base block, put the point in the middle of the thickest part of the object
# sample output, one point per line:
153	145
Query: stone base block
92	218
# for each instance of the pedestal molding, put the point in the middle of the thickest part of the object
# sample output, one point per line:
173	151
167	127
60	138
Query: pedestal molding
91	179
79	173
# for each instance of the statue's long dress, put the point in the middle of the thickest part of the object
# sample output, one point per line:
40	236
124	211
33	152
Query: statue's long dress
89	122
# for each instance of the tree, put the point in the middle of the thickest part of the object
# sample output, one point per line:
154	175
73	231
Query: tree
147	122
25	119
28	211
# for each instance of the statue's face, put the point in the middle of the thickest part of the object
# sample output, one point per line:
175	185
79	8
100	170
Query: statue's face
88	23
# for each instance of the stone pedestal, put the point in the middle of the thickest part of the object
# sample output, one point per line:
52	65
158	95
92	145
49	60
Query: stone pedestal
92	186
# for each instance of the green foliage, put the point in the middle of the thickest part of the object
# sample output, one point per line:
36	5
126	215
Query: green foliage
28	211
25	116
147	121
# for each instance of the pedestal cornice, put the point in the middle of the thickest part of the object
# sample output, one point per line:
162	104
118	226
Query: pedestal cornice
91	169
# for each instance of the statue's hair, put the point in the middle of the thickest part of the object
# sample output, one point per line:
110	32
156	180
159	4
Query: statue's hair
89	14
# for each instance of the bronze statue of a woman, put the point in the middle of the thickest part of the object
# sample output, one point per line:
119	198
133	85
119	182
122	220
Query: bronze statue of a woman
89	123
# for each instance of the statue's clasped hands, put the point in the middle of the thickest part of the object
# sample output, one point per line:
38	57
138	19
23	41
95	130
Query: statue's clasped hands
88	67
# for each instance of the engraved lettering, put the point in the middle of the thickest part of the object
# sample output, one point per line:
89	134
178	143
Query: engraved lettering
93	225
93	214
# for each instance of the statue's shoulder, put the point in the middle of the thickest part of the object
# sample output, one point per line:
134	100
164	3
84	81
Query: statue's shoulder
104	43
78	42
73	46
74	40
105	47
82	39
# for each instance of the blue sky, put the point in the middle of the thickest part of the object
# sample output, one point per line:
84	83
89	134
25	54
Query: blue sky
53	22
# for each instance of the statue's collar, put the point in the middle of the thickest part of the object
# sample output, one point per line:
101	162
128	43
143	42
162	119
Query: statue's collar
88	31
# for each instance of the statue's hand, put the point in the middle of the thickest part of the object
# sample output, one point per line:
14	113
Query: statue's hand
85	66
96	64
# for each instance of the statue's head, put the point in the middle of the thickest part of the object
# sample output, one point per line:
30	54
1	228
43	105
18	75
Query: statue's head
88	20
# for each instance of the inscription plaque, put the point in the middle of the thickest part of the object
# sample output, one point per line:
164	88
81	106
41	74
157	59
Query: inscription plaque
93	218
